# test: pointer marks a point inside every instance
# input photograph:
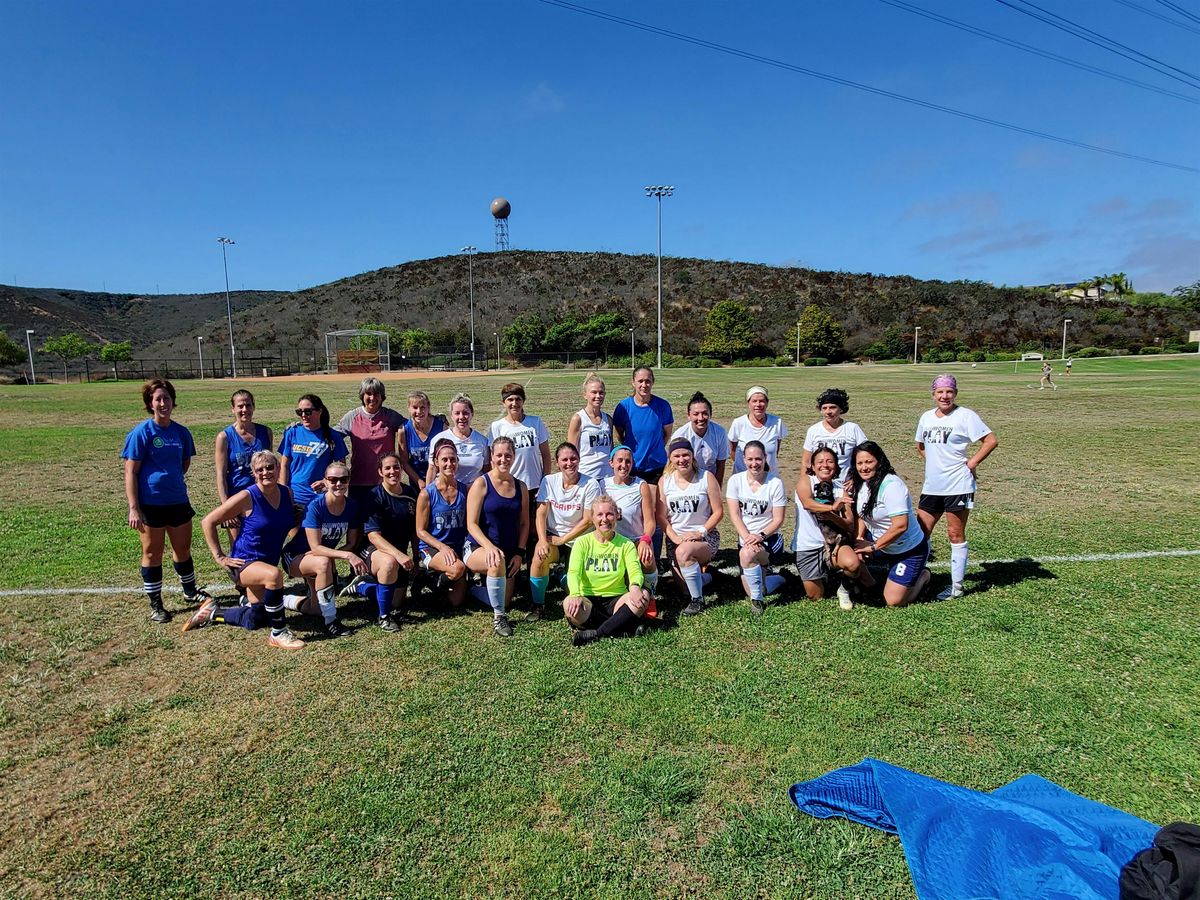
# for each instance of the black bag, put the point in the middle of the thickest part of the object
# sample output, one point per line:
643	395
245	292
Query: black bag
1169	870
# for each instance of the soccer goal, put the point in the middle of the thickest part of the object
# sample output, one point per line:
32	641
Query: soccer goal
1026	357
357	350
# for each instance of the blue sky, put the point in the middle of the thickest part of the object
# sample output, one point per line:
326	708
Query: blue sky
330	139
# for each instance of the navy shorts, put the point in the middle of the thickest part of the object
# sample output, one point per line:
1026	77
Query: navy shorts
936	504
906	568
167	515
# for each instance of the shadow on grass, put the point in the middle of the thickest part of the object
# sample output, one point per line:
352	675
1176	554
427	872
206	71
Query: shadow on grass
1006	574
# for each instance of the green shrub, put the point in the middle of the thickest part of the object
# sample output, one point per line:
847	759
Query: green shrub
1150	351
891	362
975	356
754	363
1089	352
785	360
1001	356
675	361
816	361
707	362
552	364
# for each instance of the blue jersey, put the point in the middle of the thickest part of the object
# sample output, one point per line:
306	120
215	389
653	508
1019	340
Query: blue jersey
162	453
500	516
308	456
333	528
264	528
394	516
447	521
418	450
238	476
641	430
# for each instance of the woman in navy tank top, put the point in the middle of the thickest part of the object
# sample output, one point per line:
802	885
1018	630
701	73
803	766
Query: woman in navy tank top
442	522
498	524
235	447
253	562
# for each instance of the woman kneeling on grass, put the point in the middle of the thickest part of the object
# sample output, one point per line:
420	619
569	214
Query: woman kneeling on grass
823	513
331	520
391	529
253	563
689	509
498	524
157	455
564	513
885	512
757	502
605	596
442	521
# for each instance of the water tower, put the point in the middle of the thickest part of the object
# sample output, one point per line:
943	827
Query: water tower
500	210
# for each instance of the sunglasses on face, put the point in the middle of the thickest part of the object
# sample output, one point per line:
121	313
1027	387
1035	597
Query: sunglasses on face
306	412
337	479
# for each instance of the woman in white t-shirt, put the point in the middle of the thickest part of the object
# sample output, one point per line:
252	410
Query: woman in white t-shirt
757	504
944	434
710	442
473	449
757	425
820	500
689	508
888	526
635	507
563	514
833	432
591	430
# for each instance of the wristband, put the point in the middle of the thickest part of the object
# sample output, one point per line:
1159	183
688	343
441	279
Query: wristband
646	539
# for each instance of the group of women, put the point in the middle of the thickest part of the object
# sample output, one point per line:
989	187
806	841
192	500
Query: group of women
423	496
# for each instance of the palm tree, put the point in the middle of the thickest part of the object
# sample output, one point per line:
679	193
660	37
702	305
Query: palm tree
1121	284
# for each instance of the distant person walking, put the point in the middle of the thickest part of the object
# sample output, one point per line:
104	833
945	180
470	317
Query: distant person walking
1047	371
1070	362
157	455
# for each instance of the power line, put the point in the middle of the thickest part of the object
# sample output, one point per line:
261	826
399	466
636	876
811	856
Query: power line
1157	15
857	85
1101	41
1045	54
1175	7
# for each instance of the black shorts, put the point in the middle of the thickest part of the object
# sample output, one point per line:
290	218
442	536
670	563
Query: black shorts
368	550
168	515
650	476
602	610
936	504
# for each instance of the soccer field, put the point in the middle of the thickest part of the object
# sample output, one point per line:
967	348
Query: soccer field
443	761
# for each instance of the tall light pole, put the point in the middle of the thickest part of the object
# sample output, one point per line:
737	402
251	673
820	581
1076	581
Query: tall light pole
29	347
659	191
797	343
916	334
496	335
225	242
470	251
200	350
632	352
1066	322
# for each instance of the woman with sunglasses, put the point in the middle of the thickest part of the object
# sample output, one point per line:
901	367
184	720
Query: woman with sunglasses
307	448
235	446
689	510
442	521
157	455
328	533
265	509
498	525
470	447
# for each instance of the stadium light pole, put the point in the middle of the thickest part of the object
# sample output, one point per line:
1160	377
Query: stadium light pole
632	352
200	351
496	335
470	251
225	242
659	191
29	347
1066	322
916	335
797	343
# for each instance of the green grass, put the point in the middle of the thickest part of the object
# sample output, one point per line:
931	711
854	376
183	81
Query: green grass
444	762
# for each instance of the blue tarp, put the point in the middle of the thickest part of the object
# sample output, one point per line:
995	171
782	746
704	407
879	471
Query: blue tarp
1028	839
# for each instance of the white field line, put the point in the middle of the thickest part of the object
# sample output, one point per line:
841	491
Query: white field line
941	566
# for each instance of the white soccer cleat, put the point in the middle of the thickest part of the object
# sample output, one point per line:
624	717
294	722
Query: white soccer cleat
953	592
843	595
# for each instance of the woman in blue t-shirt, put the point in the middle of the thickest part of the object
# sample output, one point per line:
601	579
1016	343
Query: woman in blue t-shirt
308	446
442	521
157	455
329	533
642	422
235	446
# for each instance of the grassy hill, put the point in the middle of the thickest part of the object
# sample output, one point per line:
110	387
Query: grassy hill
432	294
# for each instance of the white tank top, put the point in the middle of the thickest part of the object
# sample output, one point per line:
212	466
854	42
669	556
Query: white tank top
687	507
595	443
629	501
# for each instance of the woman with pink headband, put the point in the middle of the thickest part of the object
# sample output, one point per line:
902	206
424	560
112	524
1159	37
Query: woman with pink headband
944	435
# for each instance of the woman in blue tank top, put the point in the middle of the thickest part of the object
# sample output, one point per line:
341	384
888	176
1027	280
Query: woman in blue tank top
253	562
419	430
498	522
235	447
442	521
